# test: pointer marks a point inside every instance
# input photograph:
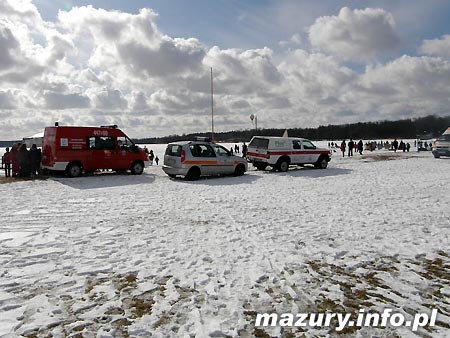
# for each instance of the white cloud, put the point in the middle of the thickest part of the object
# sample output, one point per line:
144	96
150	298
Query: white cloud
439	47
109	99
65	101
355	34
94	66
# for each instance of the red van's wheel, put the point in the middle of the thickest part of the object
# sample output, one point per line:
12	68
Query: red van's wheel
73	170
137	168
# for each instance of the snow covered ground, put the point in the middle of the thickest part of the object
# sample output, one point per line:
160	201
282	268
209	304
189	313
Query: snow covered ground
137	256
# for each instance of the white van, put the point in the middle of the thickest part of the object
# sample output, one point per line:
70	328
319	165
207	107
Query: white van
442	145
280	152
201	157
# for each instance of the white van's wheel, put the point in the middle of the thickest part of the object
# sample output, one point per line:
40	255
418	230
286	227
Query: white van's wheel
322	163
193	174
283	166
73	170
137	168
240	170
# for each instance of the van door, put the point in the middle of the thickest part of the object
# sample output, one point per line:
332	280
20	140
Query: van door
309	153
225	161
100	152
298	156
204	156
124	153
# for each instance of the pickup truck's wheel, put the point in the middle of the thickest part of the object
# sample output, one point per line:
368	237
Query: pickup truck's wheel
283	165
321	163
193	174
240	170
73	170
137	168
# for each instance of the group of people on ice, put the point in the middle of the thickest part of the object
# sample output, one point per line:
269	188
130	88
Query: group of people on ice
21	162
151	156
236	149
359	146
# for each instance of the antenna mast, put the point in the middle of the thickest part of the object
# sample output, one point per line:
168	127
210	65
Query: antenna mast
212	106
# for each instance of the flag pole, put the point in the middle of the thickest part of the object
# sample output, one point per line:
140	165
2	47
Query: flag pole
212	106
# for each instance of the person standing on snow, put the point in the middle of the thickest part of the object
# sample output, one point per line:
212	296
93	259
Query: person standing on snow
7	162
343	145
14	158
156	160
244	150
24	161
361	147
351	145
151	156
35	160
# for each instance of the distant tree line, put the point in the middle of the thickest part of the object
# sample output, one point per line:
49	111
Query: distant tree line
425	127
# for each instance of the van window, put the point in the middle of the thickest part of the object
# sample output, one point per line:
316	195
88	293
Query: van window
221	151
296	144
308	145
260	143
202	150
173	150
124	142
101	143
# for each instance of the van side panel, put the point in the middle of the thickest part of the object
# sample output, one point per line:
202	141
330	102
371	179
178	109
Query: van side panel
94	148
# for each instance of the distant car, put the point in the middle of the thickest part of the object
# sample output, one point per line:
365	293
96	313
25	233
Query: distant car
192	159
280	152
442	145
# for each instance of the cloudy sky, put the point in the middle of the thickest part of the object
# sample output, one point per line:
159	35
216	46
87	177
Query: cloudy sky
145	65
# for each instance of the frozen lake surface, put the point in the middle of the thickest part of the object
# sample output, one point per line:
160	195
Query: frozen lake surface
119	255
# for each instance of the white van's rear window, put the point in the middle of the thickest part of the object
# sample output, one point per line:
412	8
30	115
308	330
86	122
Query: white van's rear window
260	143
173	150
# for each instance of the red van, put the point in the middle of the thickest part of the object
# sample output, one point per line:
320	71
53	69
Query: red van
85	149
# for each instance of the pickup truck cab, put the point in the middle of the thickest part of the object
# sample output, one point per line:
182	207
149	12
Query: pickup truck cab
280	152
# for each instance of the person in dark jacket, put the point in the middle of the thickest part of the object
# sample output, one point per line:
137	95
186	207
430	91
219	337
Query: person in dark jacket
244	150
361	147
395	145
14	157
35	160
24	161
351	145
343	146
7	162
151	156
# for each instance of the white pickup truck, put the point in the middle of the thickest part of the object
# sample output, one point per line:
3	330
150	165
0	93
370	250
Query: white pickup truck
280	152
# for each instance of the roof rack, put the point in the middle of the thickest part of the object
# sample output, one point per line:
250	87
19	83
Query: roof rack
113	126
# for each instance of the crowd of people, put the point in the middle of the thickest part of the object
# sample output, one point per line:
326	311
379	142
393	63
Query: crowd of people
21	162
351	146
